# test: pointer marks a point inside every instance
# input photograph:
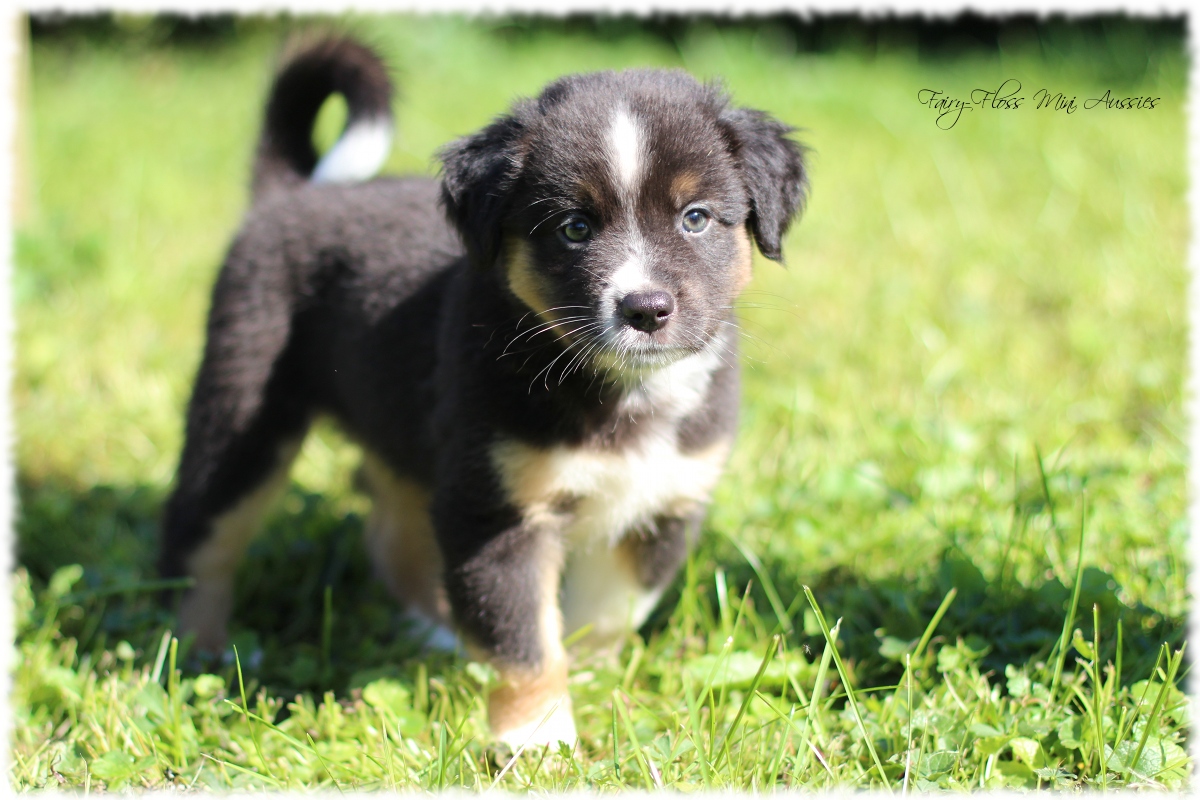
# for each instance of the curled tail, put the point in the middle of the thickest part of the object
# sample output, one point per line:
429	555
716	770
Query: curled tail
286	156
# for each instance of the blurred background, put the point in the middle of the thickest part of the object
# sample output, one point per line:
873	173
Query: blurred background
975	329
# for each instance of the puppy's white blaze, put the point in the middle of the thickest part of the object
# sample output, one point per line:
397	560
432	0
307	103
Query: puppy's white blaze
625	141
629	277
358	153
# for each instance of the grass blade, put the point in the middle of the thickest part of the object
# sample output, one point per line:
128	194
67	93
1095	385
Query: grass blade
920	648
161	658
623	712
323	764
733	726
1098	696
1173	663
841	668
1068	624
781	612
246	712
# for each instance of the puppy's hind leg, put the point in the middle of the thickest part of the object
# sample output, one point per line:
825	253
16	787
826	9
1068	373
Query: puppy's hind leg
400	539
246	420
212	562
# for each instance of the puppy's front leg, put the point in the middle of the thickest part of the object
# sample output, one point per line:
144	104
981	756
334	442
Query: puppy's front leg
503	588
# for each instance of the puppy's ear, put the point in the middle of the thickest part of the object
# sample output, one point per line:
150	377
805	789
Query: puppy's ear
478	176
773	170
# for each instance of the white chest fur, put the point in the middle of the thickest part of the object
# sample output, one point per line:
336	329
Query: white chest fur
610	491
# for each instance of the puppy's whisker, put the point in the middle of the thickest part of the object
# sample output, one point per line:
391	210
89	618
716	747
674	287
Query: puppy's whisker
549	324
594	275
536	329
576	329
559	308
545	311
546	369
509	348
585	334
545	219
541	315
753	339
580	358
765	307
568	321
585	359
534	352
556	198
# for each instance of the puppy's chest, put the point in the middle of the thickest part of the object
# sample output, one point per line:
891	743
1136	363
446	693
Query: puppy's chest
597	494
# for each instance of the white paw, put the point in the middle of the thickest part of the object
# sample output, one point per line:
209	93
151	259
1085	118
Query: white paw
555	724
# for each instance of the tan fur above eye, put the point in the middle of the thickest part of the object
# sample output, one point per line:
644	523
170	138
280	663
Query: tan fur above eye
683	187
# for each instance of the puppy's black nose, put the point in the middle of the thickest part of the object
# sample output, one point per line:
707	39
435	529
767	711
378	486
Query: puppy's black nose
647	311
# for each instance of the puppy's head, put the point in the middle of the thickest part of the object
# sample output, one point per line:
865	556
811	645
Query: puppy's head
618	208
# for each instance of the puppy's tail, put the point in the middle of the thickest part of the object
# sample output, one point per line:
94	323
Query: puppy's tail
286	156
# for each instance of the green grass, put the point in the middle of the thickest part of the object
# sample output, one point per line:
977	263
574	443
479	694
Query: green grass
962	428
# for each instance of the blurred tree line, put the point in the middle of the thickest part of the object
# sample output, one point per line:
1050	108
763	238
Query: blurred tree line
1113	47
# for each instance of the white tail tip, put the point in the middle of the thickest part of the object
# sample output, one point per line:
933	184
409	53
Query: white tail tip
357	155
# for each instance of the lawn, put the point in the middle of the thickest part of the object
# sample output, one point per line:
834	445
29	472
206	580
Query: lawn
962	429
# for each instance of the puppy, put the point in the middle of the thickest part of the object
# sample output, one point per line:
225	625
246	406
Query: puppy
537	354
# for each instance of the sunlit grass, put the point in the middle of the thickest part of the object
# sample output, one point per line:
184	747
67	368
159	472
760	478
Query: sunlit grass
968	372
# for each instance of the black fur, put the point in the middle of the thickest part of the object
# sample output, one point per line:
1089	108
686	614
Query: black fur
363	303
477	179
773	172
286	155
661	548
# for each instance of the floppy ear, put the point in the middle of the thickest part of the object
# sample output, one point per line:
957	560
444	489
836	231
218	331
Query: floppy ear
478	176
773	170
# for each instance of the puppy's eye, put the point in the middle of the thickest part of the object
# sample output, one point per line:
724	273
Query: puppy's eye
576	230
695	220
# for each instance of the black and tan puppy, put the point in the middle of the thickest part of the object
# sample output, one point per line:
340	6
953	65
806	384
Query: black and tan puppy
537	354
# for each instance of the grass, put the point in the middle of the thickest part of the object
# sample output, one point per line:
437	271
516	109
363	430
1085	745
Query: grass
948	551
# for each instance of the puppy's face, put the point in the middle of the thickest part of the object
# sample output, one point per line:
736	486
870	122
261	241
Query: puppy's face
618	209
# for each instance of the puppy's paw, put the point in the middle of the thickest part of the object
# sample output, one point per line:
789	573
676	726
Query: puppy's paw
555	724
204	616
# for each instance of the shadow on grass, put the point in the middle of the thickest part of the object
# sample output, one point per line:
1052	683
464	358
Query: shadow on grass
310	617
288	637
1007	621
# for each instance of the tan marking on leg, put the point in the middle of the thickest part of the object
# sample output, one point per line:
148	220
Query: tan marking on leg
206	606
683	187
531	705
532	708
587	498
523	280
400	539
743	271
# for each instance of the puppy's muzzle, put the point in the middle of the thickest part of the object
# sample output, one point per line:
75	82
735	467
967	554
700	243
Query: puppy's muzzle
647	311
